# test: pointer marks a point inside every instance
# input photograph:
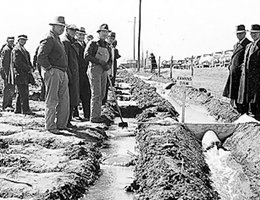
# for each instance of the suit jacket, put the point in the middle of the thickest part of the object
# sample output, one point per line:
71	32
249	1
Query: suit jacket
73	68
22	65
233	81
249	88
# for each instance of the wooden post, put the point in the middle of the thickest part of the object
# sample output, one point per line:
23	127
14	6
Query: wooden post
183	106
159	66
139	35
171	63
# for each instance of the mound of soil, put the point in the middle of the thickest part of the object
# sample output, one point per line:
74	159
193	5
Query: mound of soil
244	147
221	110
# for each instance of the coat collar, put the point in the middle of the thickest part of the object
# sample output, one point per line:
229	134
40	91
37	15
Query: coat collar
240	46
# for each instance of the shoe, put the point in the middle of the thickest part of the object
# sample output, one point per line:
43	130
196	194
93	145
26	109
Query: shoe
29	112
78	118
17	112
63	129
84	119
98	120
69	125
55	131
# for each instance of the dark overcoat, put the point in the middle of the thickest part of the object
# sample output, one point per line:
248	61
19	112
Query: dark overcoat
237	58
249	88
22	65
73	68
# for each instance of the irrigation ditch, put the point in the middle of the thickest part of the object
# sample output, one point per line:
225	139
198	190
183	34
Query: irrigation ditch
156	157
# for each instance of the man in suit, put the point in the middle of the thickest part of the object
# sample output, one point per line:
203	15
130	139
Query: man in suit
73	68
237	58
249	90
23	69
7	74
84	86
54	64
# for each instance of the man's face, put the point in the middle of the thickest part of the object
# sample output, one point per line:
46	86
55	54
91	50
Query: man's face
241	36
10	43
255	35
110	39
80	36
58	29
22	42
72	32
103	34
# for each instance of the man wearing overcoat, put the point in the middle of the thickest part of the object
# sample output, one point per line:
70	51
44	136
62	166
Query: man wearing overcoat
237	58
249	90
22	70
73	68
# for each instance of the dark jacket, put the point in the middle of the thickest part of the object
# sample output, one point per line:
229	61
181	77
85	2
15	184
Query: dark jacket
233	81
51	53
5	61
82	62
91	50
22	65
249	89
73	68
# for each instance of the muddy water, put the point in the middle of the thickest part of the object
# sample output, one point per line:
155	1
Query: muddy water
227	175
117	153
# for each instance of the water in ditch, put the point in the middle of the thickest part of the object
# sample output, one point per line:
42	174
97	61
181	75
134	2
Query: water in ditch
116	174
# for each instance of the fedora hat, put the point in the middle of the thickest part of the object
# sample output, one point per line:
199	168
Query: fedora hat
24	37
255	28
90	37
103	27
82	30
112	34
72	27
241	28
59	20
10	39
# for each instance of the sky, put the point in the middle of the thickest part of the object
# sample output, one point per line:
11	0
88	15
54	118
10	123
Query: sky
178	28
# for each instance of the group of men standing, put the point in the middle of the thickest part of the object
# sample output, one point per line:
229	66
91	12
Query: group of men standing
71	70
243	84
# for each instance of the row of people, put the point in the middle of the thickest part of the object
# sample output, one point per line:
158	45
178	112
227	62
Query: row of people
243	83
71	71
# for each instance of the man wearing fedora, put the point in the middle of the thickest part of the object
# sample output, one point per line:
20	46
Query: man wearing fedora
22	70
54	64
84	86
249	90
7	74
73	69
237	58
99	55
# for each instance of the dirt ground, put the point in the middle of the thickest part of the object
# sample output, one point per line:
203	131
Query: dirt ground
171	165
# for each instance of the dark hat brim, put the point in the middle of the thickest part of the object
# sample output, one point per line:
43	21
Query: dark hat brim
60	24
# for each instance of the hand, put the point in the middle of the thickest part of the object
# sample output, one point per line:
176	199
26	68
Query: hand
102	62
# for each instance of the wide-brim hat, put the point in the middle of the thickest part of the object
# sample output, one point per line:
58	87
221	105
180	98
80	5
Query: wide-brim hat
255	28
10	39
59	20
112	34
241	28
72	27
103	27
23	37
82	30
90	37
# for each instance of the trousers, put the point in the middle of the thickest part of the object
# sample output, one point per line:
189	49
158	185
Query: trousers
98	81
57	102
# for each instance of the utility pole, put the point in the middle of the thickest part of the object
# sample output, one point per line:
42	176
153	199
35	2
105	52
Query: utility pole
139	35
134	40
